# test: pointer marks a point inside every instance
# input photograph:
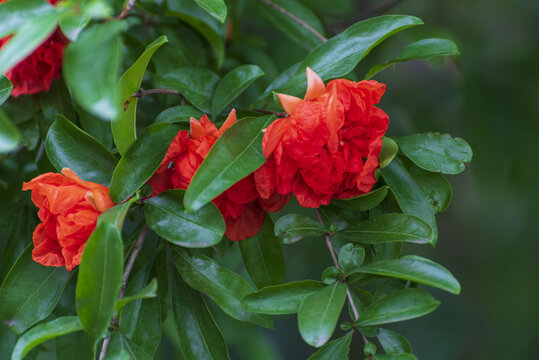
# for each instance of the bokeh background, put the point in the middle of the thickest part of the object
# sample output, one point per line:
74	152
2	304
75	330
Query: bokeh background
489	95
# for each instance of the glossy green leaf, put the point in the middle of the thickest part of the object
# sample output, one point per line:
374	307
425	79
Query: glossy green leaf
236	154
404	356
402	305
146	335
351	256
417	269
124	125
281	299
334	350
389	151
149	291
319	312
363	202
99	279
419	50
9	134
290	27
72	25
388	228
339	55
179	113
435	186
74	343
5	88
200	338
409	195
215	8
294	227
165	214
16	13
263	257
30	292
68	146
43	332
392	342
436	152
223	286
57	101
214	39
92	79
232	85
141	161
28	37
196	84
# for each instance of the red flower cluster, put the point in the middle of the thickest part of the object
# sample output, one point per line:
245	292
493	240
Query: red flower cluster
241	205
68	209
329	145
35	73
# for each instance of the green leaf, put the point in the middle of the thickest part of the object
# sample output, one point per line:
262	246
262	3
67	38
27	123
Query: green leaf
393	342
196	84
43	332
404	356
389	151
232	85
402	305
436	152
124	125
141	161
339	55
99	279
236	154
179	113
92	79
27	38
200	338
216	41
293	227
419	50
15	13
290	27
362	202
30	292
5	88
409	195
215	8
334	350
165	214
223	286
417	269
9	134
319	312
281	299
435	186
74	343
263	257
388	228
351	256
68	146
149	291
146	336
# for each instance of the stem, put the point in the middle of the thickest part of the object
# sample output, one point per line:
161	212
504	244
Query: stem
336	262
141	93
127	271
126	9
279	114
296	19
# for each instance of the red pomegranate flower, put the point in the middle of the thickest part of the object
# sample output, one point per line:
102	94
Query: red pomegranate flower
35	73
329	145
68	209
241	206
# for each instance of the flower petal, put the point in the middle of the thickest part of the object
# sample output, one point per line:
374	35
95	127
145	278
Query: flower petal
315	85
230	120
289	102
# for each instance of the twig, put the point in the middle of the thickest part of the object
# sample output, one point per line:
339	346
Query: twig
40	152
141	93
378	10
126	9
295	18
279	114
127	271
336	262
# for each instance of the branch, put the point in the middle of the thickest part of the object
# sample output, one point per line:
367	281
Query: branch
336	262
126	9
141	93
127	271
296	19
279	114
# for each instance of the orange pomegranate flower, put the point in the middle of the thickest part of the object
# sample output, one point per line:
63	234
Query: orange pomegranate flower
241	206
329	145
68	209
